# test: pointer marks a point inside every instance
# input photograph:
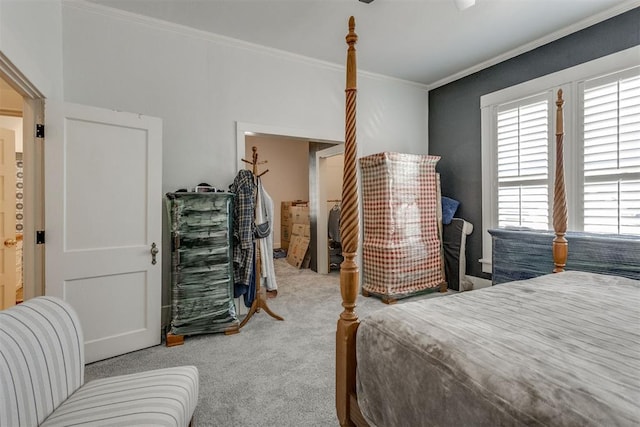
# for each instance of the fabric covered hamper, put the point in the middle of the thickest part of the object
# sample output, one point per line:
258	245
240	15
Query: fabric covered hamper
402	249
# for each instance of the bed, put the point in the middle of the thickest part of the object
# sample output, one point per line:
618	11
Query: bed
561	349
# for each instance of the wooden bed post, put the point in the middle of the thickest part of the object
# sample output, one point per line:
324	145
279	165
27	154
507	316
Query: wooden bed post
560	244
349	234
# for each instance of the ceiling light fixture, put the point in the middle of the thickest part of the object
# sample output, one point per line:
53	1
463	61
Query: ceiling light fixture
464	4
460	4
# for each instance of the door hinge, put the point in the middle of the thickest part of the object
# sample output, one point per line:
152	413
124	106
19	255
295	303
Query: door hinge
39	130
40	237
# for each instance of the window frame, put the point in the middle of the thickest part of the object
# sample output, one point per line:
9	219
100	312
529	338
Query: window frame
633	175
570	80
547	97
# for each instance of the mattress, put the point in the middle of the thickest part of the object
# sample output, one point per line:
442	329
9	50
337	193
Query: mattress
561	350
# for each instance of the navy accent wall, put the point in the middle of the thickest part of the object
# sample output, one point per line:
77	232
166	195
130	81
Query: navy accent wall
454	111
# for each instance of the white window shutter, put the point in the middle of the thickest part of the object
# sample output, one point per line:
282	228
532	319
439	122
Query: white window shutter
611	161
523	163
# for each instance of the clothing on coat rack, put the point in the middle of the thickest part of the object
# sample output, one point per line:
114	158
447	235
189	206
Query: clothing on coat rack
335	246
250	291
258	302
243	230
334	223
264	214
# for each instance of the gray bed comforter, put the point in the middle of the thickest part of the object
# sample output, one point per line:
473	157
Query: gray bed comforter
556	350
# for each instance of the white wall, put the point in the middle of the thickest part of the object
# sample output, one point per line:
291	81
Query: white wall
201	85
31	40
31	37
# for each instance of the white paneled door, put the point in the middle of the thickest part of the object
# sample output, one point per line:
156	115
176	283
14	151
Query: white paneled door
7	218
105	243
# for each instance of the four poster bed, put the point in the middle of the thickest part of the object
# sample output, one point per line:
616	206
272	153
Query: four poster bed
560	349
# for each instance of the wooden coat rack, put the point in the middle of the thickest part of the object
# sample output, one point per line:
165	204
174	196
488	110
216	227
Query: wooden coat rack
258	302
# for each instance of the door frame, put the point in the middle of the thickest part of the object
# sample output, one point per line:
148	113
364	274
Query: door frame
322	241
253	129
8	260
33	149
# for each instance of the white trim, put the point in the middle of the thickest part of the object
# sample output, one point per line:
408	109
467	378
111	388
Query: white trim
322	241
487	264
607	64
489	184
33	266
568	80
243	128
571	157
17	80
581	25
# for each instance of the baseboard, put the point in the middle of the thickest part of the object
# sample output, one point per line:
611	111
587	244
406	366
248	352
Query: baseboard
479	282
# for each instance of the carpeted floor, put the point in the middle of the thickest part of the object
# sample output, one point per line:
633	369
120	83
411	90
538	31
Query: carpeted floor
273	373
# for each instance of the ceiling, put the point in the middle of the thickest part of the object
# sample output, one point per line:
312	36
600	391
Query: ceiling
425	41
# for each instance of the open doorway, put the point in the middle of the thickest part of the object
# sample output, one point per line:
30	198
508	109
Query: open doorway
12	208
21	107
287	178
307	143
329	173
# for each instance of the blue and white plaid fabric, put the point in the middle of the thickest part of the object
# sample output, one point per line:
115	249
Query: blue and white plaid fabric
243	222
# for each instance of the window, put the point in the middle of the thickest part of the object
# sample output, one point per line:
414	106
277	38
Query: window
523	163
611	154
601	150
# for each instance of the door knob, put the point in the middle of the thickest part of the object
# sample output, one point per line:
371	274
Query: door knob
154	252
10	243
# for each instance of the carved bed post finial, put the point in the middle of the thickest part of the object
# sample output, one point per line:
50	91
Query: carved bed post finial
349	235
560	244
352	39
349	230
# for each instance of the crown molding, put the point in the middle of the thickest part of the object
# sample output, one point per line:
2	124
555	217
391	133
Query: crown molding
581	25
159	24
18	81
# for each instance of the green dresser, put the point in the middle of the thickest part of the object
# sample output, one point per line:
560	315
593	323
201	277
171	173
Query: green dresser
201	227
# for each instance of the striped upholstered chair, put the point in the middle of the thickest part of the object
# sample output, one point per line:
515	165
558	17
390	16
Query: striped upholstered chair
42	377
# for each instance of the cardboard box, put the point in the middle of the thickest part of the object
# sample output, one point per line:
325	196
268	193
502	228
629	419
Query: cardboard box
285	208
285	235
297	251
299	215
292	212
297	255
303	230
